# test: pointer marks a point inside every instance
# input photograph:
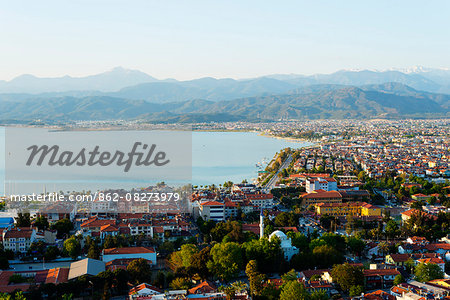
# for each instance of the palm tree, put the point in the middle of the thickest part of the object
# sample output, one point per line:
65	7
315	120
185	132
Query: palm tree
383	247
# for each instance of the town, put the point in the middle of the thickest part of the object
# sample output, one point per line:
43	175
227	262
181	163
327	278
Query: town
363	213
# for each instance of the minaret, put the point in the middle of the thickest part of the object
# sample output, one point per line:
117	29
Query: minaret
261	224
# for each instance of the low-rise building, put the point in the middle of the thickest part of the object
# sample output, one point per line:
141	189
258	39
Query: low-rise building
18	239
321	196
147	253
212	210
87	266
379	278
359	209
321	183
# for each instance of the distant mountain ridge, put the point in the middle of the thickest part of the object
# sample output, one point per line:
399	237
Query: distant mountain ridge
324	101
112	80
134	84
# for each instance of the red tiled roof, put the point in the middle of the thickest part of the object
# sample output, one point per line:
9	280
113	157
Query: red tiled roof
399	257
251	227
259	196
158	229
432	260
57	275
379	295
322	194
108	228
94	222
399	290
413	211
211	203
443	246
382	272
18	233
128	250
203	287
144	286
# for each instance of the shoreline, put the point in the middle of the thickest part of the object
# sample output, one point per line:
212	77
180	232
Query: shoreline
290	139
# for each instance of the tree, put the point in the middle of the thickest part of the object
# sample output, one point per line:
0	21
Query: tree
417	205
184	257
383	247
267	253
108	242
139	271
199	262
356	290
231	230
36	248
319	294
427	272
346	276
63	227
299	240
293	290
286	219
93	251
41	222
355	245
398	279
67	297
325	256
361	175
226	260
51	253
120	280
160	280
289	276
72	247
231	290
410	264
180	284
255	278
392	230
23	220
4	263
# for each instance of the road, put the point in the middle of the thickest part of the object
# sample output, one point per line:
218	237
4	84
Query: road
271	184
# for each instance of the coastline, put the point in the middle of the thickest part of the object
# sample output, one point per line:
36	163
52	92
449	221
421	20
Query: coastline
290	139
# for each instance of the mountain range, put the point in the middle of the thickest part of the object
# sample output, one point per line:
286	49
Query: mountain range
131	94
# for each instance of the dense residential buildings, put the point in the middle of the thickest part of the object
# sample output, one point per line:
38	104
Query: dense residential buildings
372	197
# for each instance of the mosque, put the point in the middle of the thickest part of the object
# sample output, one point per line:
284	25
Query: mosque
286	242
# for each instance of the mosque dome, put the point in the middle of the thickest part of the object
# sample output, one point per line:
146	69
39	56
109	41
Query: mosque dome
279	234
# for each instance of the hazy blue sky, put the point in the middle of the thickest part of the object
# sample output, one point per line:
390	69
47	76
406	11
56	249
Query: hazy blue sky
187	39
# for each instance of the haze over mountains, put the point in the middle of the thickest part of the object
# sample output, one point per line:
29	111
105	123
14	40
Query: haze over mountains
130	94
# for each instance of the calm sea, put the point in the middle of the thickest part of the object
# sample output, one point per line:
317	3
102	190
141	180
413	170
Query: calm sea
216	157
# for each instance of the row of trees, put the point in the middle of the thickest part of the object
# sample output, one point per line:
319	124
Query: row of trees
226	260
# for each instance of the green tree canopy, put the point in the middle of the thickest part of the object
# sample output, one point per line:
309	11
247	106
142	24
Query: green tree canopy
255	277
293	290
140	271
41	222
347	276
183	257
398	279
427	272
72	247
226	260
